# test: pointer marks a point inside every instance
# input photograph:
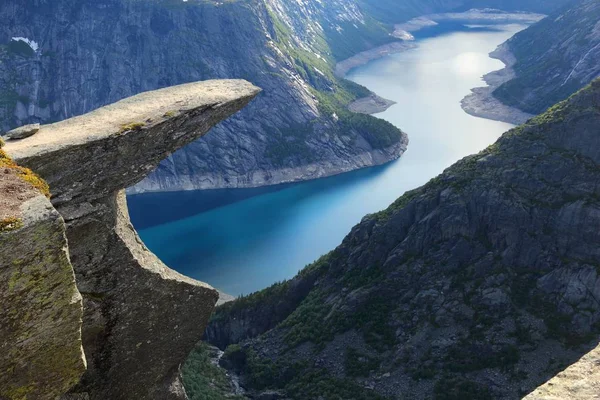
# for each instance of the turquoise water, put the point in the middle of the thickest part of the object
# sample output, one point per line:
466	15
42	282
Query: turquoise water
244	240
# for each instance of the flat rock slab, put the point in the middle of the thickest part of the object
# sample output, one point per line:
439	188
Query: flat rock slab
144	110
114	147
22	132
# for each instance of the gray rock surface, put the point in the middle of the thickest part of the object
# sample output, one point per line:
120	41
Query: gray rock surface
580	381
40	307
141	318
22	132
483	283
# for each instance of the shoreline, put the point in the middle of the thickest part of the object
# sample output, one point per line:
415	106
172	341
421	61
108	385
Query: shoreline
481	101
480	16
367	159
343	67
370	105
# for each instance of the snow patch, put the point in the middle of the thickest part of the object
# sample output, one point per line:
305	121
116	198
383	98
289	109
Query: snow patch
31	43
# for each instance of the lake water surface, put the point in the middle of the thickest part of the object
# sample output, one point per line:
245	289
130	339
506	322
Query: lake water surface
244	240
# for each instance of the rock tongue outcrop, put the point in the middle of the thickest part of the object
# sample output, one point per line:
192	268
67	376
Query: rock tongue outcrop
141	319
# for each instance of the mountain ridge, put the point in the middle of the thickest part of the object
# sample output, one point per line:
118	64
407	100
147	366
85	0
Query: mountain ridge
547	71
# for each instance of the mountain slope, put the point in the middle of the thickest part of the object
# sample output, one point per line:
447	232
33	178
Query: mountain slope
555	58
88	53
483	283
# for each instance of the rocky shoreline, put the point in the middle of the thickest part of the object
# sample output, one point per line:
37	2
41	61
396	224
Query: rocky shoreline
482	103
373	104
343	67
369	158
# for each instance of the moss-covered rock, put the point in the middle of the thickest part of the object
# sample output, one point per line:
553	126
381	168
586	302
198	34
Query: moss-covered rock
40	306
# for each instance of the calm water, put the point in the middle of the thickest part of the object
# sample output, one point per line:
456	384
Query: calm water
241	241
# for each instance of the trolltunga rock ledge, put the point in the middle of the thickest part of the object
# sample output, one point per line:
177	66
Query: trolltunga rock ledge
141	318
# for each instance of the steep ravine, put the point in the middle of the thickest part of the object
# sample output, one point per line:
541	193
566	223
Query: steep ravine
482	284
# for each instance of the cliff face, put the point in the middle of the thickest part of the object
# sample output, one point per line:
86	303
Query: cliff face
40	318
140	319
554	58
91	53
481	284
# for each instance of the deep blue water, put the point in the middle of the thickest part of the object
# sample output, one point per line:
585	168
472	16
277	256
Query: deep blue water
244	240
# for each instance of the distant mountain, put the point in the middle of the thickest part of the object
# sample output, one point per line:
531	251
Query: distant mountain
482	284
396	11
88	53
65	57
555	58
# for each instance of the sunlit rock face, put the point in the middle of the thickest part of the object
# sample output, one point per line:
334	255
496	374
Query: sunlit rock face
141	318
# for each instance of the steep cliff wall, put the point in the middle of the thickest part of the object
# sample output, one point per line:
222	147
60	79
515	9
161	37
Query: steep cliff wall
554	58
40	306
140	318
484	283
91	53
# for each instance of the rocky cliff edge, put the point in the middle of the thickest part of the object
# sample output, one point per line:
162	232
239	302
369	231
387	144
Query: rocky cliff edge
140	318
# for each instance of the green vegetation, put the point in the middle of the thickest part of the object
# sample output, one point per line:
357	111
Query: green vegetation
468	357
319	384
460	389
299	380
204	380
24	173
290	143
333	94
317	320
357	364
20	48
10	224
133	126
